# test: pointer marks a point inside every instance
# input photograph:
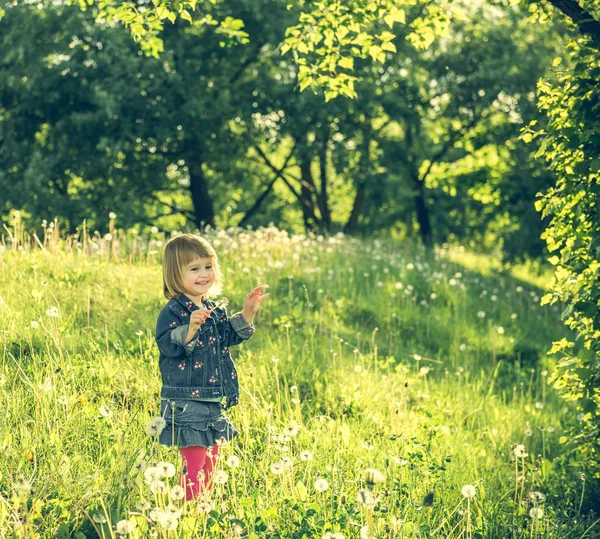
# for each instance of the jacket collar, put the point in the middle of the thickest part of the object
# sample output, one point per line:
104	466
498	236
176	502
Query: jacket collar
186	302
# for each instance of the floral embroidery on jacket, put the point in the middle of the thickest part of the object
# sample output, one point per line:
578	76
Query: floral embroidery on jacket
182	365
212	380
198	364
196	393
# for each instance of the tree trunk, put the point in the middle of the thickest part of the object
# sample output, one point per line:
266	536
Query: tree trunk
352	223
422	212
323	196
306	193
364	172
204	213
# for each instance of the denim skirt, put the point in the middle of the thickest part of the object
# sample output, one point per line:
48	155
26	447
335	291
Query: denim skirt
193	423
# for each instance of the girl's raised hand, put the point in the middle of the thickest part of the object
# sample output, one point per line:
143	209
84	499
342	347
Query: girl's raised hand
254	298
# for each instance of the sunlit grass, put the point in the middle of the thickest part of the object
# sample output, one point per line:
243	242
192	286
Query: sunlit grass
367	360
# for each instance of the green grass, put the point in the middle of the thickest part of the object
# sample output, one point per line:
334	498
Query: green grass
351	349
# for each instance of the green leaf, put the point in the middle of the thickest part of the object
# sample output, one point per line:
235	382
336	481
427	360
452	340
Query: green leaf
185	15
395	15
347	62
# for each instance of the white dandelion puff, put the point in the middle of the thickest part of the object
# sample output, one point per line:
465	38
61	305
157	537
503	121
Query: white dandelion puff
364	497
155	426
167	469
468	491
206	505
152	474
177	492
373	476
277	468
124	527
53	312
233	461
220	477
536	513
520	451
168	522
105	411
287	462
98	518
306	455
537	497
321	485
22	486
173	511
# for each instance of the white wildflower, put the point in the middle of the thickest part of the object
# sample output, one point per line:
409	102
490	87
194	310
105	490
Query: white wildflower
536	513
155	426
233	461
321	485
468	491
124	527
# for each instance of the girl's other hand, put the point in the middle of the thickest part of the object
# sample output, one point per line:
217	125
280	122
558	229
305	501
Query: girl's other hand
198	317
254	298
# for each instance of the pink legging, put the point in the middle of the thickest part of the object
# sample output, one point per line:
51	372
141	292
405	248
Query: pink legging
197	459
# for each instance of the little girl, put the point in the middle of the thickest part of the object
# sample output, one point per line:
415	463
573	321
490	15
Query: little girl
199	378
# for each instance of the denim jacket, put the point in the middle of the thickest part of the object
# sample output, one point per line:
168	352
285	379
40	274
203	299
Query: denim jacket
202	368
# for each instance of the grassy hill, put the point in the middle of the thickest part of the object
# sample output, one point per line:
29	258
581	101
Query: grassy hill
430	369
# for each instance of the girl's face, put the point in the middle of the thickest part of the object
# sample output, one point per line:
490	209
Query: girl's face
198	276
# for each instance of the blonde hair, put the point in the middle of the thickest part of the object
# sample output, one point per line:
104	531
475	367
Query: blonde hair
179	251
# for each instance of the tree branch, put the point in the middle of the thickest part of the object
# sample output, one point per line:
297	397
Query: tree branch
456	135
584	20
267	190
285	180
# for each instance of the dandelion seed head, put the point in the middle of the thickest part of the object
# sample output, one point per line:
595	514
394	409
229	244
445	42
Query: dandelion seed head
276	468
98	518
233	461
520	451
373	476
537	497
364	497
53	312
468	491
155	426
321	485
124	527
167	469
105	411
536	513
168	522
220	477
177	492
306	455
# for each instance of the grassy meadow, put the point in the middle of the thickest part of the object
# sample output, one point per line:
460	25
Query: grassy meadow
386	393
